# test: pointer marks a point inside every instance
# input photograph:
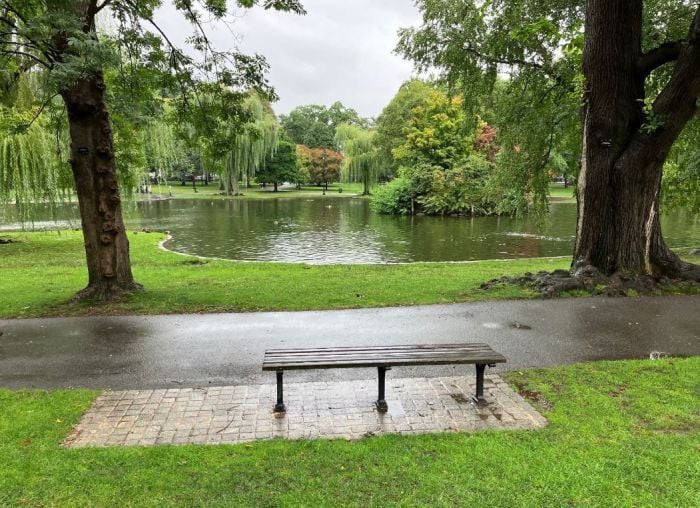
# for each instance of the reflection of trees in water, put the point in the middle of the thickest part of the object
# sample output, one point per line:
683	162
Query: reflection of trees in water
346	230
681	228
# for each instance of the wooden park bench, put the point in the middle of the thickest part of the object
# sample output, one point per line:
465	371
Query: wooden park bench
384	358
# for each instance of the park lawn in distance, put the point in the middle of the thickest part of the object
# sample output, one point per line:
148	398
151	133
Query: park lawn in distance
620	433
43	270
211	191
558	194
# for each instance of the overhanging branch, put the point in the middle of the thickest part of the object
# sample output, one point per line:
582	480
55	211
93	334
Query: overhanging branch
26	55
667	52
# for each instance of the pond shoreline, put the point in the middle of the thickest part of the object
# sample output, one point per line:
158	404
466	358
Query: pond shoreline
320	231
168	237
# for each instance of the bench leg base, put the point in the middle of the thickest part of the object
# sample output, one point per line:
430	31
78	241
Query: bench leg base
280	407
480	401
479	398
381	404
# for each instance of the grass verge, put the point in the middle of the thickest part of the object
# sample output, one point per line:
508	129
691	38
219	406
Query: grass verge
41	271
620	434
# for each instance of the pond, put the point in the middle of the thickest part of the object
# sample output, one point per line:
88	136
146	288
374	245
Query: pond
345	230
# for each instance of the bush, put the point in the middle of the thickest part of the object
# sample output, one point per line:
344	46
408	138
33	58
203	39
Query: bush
394	197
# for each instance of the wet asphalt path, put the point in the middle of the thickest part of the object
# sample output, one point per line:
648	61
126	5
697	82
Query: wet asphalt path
217	349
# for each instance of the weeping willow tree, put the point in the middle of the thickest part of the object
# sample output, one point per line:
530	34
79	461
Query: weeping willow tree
33	147
31	167
363	161
252	144
162	149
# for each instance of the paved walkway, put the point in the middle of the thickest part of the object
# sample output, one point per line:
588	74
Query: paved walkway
339	410
186	351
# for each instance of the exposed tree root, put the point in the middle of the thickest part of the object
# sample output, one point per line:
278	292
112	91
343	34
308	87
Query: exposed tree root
106	292
588	279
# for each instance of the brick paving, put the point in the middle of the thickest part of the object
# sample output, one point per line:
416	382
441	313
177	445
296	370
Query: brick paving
345	410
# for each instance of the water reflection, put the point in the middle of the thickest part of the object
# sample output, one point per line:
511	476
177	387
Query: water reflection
346	231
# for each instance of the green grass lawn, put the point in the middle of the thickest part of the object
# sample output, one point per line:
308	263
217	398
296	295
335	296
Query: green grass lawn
619	434
558	194
43	270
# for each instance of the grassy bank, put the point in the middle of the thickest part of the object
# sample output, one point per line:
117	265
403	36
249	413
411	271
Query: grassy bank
620	434
43	270
212	191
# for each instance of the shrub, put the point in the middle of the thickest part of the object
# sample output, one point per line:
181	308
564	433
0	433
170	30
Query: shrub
394	198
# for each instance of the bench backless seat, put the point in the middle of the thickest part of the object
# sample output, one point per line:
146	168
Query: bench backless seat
383	358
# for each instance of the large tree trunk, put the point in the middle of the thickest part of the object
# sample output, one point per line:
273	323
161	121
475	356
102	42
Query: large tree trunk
94	172
624	147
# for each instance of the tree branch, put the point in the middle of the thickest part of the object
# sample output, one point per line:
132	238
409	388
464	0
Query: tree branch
28	55
174	50
14	11
676	103
41	109
102	5
8	22
663	54
503	61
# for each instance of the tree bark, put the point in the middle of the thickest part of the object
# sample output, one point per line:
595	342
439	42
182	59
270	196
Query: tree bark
624	146
94	172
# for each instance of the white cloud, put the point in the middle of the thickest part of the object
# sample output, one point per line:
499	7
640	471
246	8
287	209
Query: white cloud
341	50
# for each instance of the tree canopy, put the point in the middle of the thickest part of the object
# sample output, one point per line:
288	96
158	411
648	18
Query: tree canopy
315	125
281	166
324	166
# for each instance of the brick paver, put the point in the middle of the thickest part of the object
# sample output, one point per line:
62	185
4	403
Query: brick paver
234	414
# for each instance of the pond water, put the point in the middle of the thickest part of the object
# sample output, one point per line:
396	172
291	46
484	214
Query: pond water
345	230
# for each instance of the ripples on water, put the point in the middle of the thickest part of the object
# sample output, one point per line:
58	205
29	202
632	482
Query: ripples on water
344	230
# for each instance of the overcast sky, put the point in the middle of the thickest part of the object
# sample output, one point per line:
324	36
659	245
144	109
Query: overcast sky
341	50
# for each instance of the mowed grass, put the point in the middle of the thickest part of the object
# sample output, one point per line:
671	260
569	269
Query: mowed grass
619	434
559	194
212	191
43	270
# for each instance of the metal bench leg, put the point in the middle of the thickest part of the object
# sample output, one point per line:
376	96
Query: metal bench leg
280	407
381	402
479	398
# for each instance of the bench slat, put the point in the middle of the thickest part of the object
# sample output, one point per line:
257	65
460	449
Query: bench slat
377	356
323	354
352	356
379	350
410	347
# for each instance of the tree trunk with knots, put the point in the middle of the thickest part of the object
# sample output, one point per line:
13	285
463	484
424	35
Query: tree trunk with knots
94	172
